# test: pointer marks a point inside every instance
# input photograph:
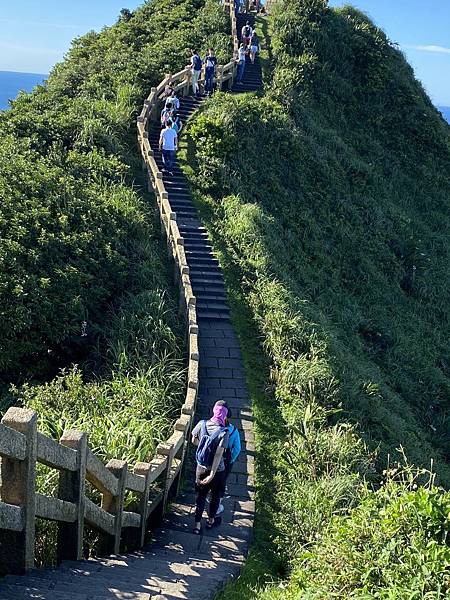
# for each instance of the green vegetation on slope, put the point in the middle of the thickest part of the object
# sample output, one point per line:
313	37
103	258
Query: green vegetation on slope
328	197
72	225
83	276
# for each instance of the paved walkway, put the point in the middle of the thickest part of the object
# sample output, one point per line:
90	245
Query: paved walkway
179	564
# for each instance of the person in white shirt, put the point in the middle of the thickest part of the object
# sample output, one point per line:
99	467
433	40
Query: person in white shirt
173	100
168	143
241	63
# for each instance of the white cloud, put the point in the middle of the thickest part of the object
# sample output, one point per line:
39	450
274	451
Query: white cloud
430	48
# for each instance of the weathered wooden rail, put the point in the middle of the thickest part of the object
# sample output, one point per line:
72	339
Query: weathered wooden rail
22	447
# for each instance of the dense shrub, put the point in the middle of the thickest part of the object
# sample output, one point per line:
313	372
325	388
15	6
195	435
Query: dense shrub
70	217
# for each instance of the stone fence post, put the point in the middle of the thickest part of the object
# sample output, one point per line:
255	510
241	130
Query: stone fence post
17	487
72	488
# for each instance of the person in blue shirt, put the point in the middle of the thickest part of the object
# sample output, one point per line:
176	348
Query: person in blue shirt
231	453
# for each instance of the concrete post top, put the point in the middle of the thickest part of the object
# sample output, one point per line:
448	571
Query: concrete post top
116	465
19	418
142	468
73	436
164	448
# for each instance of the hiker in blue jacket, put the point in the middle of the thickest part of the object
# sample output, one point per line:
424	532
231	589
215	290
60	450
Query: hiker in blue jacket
230	454
211	439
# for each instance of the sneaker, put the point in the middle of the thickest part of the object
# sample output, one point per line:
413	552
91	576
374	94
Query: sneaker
220	509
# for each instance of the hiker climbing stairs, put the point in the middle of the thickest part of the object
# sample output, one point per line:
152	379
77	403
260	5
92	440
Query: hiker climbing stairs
178	563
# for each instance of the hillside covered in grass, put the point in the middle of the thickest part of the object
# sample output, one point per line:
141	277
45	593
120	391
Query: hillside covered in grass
90	332
328	196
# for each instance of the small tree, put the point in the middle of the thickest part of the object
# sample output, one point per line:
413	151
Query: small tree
125	15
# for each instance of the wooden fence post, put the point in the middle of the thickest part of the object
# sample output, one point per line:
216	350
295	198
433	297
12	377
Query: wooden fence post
183	424
71	488
153	115
114	504
188	83
220	77
18	487
143	469
166	450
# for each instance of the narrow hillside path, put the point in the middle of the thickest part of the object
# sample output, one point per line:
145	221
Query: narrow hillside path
179	564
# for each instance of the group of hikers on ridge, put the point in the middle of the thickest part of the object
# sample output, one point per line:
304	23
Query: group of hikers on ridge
218	446
171	124
170	121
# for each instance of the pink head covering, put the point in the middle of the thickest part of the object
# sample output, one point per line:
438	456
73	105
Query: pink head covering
219	413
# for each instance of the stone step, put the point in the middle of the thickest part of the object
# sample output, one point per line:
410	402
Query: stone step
181	194
183	208
186	203
192	237
61	590
213	301
204	261
210	270
212	314
213	297
199	245
206	280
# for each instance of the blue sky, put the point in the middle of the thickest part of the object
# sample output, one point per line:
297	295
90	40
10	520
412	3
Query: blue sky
35	35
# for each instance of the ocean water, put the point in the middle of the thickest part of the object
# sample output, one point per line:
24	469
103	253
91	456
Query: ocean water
12	83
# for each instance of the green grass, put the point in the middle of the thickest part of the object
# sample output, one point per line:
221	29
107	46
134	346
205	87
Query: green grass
327	199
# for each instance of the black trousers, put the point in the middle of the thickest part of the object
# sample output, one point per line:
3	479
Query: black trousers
217	489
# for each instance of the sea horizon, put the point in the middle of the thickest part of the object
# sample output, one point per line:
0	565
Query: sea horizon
12	82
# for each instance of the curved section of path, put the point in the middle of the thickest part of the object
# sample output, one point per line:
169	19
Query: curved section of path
179	564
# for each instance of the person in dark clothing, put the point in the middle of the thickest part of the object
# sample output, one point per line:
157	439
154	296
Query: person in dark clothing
210	69
241	63
211	438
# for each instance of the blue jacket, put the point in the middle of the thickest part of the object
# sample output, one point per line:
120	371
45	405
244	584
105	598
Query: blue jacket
234	442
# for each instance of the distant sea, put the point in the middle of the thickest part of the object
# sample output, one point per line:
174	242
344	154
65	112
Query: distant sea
12	83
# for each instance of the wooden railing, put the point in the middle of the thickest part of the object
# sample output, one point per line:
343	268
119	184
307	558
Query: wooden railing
22	447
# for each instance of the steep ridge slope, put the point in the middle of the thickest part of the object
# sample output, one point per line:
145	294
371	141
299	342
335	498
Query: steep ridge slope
333	223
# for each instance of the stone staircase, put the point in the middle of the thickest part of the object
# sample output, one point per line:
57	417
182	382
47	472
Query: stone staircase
179	564
252	75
